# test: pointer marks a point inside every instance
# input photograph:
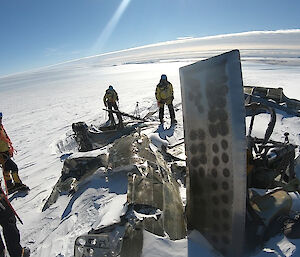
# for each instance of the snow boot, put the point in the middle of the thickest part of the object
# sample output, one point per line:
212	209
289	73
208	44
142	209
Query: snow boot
11	190
25	252
2	253
10	186
20	187
120	125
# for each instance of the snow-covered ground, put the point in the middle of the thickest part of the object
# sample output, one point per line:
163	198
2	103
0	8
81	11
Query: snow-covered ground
39	108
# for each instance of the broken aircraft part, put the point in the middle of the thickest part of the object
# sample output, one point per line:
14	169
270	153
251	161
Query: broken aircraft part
153	199
272	97
159	190
124	239
82	136
214	128
74	170
89	138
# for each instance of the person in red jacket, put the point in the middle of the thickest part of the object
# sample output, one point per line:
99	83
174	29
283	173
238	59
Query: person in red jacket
10	168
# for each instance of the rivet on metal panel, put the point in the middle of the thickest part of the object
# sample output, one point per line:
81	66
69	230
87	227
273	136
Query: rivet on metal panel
216	161
223	128
225	185
225	158
213	130
215	200
203	159
201	134
201	172
214	172
223	89
202	147
222	115
225	213
215	148
226	173
194	162
212	115
193	149
225	198
193	135
224	144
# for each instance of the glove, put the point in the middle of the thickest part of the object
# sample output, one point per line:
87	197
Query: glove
2	207
11	152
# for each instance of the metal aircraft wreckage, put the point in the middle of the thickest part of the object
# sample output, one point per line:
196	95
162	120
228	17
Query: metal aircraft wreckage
225	171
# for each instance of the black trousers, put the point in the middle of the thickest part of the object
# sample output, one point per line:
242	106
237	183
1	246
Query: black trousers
10	231
10	165
9	168
7	163
110	114
171	110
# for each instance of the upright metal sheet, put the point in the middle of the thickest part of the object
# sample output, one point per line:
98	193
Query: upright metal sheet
214	127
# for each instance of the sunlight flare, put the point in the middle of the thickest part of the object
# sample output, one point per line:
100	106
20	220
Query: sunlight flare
109	28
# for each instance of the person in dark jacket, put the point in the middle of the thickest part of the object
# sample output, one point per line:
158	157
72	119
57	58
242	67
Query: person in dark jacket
164	95
10	231
110	100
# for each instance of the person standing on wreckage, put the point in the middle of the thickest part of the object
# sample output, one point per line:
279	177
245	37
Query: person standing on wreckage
10	169
110	100
164	95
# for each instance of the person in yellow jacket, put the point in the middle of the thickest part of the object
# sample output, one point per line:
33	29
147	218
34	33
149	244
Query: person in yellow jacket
10	168
110	100
164	95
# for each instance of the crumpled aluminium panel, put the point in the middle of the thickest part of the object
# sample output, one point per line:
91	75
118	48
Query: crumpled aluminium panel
214	127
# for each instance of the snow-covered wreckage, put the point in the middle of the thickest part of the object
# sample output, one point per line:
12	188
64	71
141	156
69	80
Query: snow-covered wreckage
238	186
153	202
240	189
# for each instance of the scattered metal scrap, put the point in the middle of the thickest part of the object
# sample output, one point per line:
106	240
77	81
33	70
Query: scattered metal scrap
272	97
153	200
89	139
73	172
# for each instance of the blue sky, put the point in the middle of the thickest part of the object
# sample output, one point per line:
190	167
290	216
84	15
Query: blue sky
35	33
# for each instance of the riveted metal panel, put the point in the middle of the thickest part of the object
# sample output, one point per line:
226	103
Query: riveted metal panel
214	128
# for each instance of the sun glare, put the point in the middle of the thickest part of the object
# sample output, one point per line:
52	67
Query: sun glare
109	28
